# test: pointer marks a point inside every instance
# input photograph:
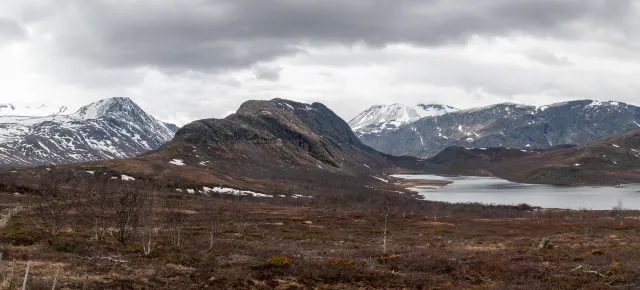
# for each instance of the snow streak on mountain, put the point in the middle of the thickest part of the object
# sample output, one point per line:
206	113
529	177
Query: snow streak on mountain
110	128
380	118
502	125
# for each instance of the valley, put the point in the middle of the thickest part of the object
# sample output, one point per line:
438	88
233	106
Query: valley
283	195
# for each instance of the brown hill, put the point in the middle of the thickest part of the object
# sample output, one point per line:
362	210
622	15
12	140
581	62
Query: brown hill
614	160
274	146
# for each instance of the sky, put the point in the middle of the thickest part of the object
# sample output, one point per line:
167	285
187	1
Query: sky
193	59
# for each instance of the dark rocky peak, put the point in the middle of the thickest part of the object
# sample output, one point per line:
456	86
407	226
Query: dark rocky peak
254	106
317	116
173	127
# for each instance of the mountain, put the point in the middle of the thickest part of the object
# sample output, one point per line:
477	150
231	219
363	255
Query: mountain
173	127
381	118
507	125
270	146
611	161
110	128
31	110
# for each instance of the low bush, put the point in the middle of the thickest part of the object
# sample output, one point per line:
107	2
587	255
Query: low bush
20	237
279	261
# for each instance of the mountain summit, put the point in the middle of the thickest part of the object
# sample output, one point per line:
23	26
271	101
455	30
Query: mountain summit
381	118
266	146
110	128
507	125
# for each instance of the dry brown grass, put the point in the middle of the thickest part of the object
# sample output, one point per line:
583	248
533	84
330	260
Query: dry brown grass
339	250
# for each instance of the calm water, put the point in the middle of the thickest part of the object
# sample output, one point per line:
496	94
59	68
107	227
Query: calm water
499	191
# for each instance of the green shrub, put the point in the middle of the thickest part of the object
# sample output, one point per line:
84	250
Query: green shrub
61	246
279	261
20	237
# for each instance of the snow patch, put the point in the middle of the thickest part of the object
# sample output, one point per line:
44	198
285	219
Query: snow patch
381	179
177	162
127	177
233	191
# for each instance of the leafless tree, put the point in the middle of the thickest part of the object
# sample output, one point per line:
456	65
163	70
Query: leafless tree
386	212
148	221
588	217
213	209
98	205
175	218
619	211
127	207
239	212
52	202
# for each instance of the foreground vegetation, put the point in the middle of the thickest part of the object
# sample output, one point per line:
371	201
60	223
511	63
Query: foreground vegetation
112	234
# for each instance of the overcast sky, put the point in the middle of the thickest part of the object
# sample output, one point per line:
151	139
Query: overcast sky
192	59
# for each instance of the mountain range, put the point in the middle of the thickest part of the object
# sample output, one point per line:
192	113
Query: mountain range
110	128
271	147
502	125
277	146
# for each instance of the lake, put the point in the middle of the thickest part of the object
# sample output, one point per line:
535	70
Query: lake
491	190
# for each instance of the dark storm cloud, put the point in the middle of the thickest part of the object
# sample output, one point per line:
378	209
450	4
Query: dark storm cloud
10	30
210	35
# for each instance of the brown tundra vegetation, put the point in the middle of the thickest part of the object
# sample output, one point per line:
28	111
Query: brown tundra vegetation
100	233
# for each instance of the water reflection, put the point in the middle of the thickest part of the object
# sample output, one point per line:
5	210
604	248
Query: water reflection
491	190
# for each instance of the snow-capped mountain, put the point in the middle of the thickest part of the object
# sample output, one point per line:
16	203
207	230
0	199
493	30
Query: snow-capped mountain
431	110
110	128
31	110
507	125
381	118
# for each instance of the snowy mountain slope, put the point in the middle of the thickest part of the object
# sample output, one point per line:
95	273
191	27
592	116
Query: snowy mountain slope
380	118
110	128
31	110
509	125
433	110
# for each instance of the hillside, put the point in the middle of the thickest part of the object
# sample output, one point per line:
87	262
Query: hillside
381	118
266	146
611	161
507	125
110	128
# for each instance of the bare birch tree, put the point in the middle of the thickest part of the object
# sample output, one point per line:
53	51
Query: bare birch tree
52	202
386	212
175	219
148	221
127	206
214	212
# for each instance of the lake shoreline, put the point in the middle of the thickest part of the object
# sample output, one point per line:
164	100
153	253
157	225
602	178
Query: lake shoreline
496	191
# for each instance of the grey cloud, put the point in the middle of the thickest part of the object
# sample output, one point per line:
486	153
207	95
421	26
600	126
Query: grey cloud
267	73
209	35
10	30
547	57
